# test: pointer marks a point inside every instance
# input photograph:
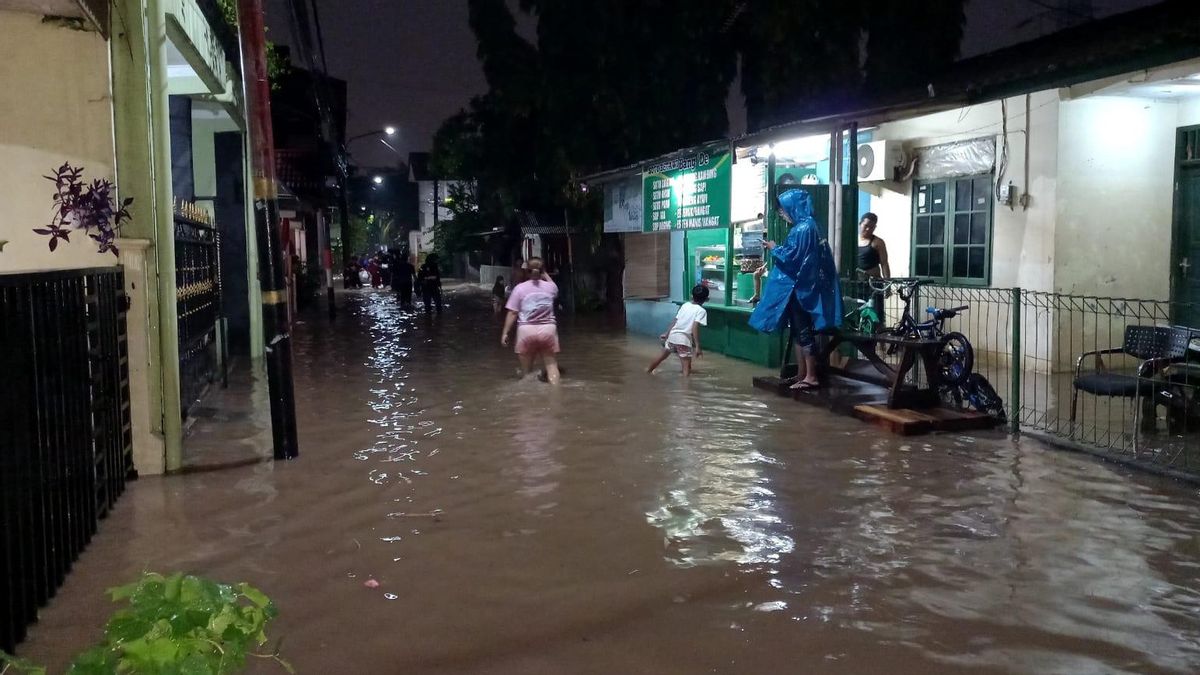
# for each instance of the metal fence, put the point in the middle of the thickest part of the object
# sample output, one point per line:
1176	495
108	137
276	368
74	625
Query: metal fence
1029	345
66	444
198	296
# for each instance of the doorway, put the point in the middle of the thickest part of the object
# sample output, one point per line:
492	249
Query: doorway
1185	270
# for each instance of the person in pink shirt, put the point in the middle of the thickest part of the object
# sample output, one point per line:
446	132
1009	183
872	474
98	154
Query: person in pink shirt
531	308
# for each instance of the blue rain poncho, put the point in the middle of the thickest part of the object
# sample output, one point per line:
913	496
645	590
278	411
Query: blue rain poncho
803	269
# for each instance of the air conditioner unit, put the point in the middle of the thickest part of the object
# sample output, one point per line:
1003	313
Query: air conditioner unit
877	160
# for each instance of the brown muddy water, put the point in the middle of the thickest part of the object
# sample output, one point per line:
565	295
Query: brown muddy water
626	523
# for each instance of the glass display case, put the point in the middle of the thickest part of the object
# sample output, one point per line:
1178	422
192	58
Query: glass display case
709	263
748	256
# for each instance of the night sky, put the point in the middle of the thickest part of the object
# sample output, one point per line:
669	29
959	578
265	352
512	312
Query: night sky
412	63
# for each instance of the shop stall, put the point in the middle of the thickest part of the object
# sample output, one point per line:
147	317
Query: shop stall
701	216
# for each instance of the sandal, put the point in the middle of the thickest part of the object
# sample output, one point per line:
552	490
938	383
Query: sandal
805	386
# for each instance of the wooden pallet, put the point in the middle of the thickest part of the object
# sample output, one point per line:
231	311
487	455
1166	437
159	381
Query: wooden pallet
908	422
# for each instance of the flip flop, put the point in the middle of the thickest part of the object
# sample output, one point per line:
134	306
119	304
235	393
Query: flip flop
804	386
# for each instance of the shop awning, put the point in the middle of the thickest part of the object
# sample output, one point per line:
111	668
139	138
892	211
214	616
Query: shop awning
638	167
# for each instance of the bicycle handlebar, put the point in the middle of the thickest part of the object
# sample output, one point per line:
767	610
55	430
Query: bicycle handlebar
902	283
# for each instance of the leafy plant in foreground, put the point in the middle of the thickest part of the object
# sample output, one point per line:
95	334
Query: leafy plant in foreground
176	625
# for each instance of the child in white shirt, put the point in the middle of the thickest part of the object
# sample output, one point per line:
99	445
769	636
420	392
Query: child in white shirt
683	335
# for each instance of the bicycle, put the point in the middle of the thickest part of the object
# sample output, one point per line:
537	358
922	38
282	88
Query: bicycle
863	318
957	356
975	392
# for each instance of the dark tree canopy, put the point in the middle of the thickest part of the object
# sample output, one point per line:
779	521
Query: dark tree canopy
610	82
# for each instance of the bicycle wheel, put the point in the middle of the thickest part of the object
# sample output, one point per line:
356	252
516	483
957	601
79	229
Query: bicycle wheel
957	358
951	395
983	397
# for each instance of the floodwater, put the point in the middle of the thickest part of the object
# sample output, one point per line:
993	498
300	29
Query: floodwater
626	523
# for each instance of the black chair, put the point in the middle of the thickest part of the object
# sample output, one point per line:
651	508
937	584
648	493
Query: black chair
1155	347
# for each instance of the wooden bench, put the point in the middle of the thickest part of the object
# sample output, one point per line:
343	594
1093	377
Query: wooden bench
899	393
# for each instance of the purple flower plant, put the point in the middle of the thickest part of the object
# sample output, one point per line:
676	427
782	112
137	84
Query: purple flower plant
90	207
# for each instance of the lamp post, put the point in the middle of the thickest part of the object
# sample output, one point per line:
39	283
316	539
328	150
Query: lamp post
344	195
266	222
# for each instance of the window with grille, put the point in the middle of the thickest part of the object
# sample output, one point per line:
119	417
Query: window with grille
952	230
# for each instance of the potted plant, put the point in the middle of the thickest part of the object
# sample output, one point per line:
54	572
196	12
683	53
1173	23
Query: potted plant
80	205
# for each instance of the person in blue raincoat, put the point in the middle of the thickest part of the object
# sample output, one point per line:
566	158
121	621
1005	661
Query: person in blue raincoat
802	290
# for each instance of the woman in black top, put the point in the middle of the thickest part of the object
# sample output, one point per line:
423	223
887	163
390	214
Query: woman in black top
872	251
872	258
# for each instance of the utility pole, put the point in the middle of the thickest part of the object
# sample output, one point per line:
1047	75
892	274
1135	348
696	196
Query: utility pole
266	223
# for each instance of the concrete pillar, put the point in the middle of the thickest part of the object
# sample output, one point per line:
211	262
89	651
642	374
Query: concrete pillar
135	148
168	314
148	450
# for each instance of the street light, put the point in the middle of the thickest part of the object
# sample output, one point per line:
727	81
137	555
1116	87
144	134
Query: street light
386	131
378	180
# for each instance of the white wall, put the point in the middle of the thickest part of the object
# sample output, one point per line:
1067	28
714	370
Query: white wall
424	216
1116	173
1023	239
1189	112
55	107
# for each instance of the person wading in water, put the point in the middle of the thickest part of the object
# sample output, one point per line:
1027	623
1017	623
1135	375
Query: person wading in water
531	308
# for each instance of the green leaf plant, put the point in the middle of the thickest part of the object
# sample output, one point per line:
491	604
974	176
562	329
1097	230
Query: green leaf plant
175	625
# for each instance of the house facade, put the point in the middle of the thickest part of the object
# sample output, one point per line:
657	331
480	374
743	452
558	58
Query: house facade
1062	166
147	94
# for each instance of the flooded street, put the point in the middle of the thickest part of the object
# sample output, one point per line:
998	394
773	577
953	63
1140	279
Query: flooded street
626	523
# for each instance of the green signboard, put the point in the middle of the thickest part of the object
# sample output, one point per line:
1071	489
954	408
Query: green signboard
688	193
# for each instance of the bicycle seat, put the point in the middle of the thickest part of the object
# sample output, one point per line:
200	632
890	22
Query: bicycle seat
940	314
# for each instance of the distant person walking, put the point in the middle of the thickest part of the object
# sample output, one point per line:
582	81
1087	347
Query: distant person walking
499	295
403	273
531	308
430	279
375	268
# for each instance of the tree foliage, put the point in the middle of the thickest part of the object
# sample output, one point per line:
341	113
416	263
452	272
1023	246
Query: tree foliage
608	83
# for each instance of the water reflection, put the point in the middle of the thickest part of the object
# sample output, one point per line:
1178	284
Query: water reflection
399	413
638	524
718	505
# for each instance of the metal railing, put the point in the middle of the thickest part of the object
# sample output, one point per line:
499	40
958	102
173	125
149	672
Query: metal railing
66	439
198	297
1028	344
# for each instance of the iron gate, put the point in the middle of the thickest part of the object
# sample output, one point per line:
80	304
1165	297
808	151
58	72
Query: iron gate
66	445
198	299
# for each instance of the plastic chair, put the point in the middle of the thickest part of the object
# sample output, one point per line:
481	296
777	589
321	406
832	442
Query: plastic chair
1156	347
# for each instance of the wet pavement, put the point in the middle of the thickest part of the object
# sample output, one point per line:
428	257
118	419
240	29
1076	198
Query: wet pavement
626	523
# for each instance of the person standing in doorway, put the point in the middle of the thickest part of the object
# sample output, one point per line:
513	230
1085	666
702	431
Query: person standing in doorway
872	251
402	278
531	308
430	280
872	259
